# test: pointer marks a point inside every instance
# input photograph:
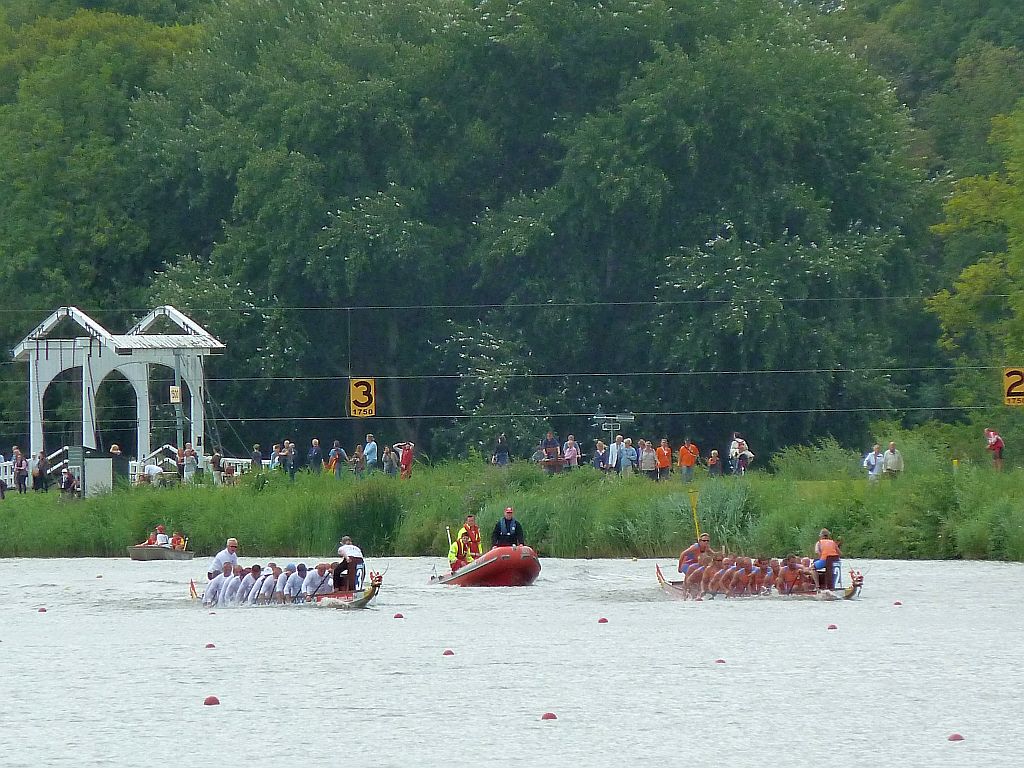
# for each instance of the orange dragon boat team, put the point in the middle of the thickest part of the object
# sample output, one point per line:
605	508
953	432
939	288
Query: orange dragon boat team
708	572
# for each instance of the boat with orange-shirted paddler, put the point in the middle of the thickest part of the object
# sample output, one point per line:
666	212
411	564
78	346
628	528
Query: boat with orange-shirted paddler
515	566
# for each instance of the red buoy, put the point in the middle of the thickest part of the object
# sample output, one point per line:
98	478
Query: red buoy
448	652
832	626
399	616
955	737
602	620
719	661
210	645
897	603
42	610
549	716
211	701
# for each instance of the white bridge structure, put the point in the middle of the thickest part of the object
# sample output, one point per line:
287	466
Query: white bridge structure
100	353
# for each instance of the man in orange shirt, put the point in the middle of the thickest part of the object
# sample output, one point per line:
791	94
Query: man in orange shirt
663	453
688	455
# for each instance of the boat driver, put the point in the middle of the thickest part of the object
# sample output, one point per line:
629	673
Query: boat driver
507	531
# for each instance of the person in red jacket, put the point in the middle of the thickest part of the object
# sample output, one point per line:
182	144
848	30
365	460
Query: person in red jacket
995	444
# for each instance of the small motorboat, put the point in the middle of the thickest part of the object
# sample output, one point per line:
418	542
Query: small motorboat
515	566
157	552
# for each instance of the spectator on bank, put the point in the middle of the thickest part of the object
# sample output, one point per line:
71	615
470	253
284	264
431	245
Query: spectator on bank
571	453
389	461
500	455
629	457
41	473
744	459
337	460
600	459
714	464
358	461
734	452
552	450
315	457
20	466
191	463
663	454
275	456
292	460
256	458
648	459
689	454
217	468
994	443
179	462
370	453
892	461
874	463
405	458
615	455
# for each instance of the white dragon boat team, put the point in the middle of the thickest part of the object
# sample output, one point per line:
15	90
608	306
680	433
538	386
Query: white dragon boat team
231	584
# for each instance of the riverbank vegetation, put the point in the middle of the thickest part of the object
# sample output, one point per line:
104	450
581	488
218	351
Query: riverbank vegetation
788	219
935	511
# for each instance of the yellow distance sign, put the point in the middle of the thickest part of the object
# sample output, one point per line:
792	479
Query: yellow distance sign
362	398
1013	386
175	395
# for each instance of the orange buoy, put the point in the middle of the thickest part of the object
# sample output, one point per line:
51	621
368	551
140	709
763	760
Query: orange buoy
211	701
897	603
719	661
210	645
42	610
399	616
955	737
448	652
549	716
832	626
602	620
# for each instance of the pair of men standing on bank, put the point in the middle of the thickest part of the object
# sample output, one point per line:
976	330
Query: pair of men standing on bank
467	545
889	463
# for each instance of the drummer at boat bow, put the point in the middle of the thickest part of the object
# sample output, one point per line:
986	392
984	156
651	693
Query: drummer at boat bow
461	551
351	558
227	555
692	553
474	535
507	531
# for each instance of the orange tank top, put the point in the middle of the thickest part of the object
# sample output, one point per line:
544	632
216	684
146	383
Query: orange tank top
827	548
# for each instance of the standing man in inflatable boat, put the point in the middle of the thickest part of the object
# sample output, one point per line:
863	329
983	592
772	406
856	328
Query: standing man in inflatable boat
507	531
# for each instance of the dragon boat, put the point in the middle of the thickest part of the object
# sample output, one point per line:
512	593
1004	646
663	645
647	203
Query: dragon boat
677	589
146	552
515	566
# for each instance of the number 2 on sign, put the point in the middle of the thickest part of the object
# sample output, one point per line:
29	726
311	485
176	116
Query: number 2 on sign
1013	386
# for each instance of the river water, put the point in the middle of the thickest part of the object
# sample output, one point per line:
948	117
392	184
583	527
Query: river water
115	672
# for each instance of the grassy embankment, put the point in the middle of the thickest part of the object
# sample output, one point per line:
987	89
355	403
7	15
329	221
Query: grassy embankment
931	512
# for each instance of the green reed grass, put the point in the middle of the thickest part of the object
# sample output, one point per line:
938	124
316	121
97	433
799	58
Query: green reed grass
930	512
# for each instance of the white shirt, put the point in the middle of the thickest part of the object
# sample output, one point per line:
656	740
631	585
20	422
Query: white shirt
293	587
281	581
153	470
350	550
267	590
370	452
163	540
257	587
229	591
315	584
242	595
213	589
224	556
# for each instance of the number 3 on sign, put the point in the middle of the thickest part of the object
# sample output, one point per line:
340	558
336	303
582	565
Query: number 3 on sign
362	397
1013	386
